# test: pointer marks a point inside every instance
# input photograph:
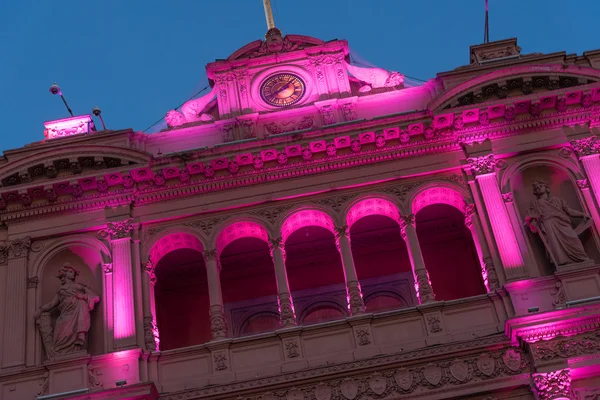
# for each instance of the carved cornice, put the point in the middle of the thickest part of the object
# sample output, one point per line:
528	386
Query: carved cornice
517	328
360	380
147	192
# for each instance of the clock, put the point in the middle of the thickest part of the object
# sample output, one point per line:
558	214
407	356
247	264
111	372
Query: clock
283	89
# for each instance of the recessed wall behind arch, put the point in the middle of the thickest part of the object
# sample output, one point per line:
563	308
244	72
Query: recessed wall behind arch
89	263
561	185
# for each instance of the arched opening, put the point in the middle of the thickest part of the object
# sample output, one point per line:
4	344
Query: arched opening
449	252
314	267
381	260
182	301
562	188
249	286
88	262
181	291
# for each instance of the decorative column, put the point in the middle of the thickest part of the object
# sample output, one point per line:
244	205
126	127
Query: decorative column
151	334
218	324
553	385
587	150
356	305
123	285
508	246
13	344
32	284
284	298
421	276
488	270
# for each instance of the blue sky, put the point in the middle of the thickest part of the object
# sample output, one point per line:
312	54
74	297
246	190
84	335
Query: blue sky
138	59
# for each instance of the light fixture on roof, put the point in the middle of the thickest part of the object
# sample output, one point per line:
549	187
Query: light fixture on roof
55	89
98	113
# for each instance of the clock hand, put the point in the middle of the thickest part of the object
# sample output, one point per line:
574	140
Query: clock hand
282	89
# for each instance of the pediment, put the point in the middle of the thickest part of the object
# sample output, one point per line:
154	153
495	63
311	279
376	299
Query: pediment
514	82
69	161
274	43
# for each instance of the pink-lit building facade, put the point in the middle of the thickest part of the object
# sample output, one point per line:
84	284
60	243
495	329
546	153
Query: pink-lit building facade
312	229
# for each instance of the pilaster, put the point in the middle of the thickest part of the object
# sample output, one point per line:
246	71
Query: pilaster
151	333
123	283
481	163
13	344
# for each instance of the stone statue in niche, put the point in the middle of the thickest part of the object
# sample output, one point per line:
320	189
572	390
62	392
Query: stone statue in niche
550	218
74	302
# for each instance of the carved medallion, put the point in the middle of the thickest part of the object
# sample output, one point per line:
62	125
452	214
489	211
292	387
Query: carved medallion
404	378
459	370
349	389
295	394
378	383
486	364
322	392
512	360
433	374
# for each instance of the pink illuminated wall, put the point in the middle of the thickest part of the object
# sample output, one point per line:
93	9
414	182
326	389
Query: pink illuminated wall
240	230
372	206
306	218
449	252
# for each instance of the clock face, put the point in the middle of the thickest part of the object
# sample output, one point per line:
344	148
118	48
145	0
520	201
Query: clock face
282	90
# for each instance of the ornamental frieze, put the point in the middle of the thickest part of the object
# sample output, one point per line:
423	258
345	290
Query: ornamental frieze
431	377
148	192
399	375
565	347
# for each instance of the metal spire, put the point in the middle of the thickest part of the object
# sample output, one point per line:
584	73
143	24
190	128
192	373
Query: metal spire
486	29
269	14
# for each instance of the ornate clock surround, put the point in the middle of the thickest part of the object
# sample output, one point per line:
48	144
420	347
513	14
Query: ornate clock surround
260	104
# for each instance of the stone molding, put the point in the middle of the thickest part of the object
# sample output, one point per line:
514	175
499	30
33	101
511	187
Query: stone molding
565	347
361	381
435	144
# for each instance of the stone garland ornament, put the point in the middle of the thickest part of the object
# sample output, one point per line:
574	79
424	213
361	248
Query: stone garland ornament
74	301
553	385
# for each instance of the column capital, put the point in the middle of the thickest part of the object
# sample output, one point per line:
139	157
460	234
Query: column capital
341	231
552	385
406	220
469	211
210	255
275	243
19	248
149	267
586	146
118	229
482	165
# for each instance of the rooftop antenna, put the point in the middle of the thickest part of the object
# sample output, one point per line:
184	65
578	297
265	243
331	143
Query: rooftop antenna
269	14
486	29
55	89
